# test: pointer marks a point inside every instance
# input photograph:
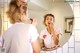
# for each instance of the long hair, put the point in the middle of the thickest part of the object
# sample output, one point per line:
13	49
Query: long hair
15	11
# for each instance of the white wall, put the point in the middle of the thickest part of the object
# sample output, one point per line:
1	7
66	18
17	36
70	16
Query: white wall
42	3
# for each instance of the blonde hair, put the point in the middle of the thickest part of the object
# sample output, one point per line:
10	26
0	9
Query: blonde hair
15	12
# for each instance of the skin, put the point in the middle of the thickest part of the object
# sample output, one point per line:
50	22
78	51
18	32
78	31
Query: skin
36	46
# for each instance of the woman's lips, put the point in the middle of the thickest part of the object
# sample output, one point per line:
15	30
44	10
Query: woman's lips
48	23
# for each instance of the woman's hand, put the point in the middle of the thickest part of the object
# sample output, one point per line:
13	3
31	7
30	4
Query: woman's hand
52	31
34	21
51	27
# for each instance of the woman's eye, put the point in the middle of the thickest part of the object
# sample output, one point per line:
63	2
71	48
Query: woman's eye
46	19
51	19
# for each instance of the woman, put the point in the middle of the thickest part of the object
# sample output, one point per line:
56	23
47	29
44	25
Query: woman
50	35
20	37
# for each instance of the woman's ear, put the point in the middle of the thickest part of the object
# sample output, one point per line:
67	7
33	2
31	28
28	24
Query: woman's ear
23	17
44	23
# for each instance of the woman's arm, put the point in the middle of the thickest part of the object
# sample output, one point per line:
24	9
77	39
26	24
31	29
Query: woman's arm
42	43
36	46
55	37
43	47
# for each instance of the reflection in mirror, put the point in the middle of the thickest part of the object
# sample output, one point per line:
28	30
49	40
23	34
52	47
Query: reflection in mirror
63	19
50	35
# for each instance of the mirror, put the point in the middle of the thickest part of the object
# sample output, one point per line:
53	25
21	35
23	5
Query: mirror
62	11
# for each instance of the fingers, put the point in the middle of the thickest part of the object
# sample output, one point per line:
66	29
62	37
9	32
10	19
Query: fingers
34	22
50	24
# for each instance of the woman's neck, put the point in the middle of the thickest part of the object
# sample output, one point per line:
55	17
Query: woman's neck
49	30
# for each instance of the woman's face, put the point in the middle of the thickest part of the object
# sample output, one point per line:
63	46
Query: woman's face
24	15
49	19
20	2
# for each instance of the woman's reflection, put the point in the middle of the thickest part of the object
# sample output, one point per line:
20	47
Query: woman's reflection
50	35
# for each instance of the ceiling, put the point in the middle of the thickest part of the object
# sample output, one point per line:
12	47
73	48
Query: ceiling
50	1
33	6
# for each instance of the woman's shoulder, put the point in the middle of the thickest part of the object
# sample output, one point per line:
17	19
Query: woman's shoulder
32	26
26	24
